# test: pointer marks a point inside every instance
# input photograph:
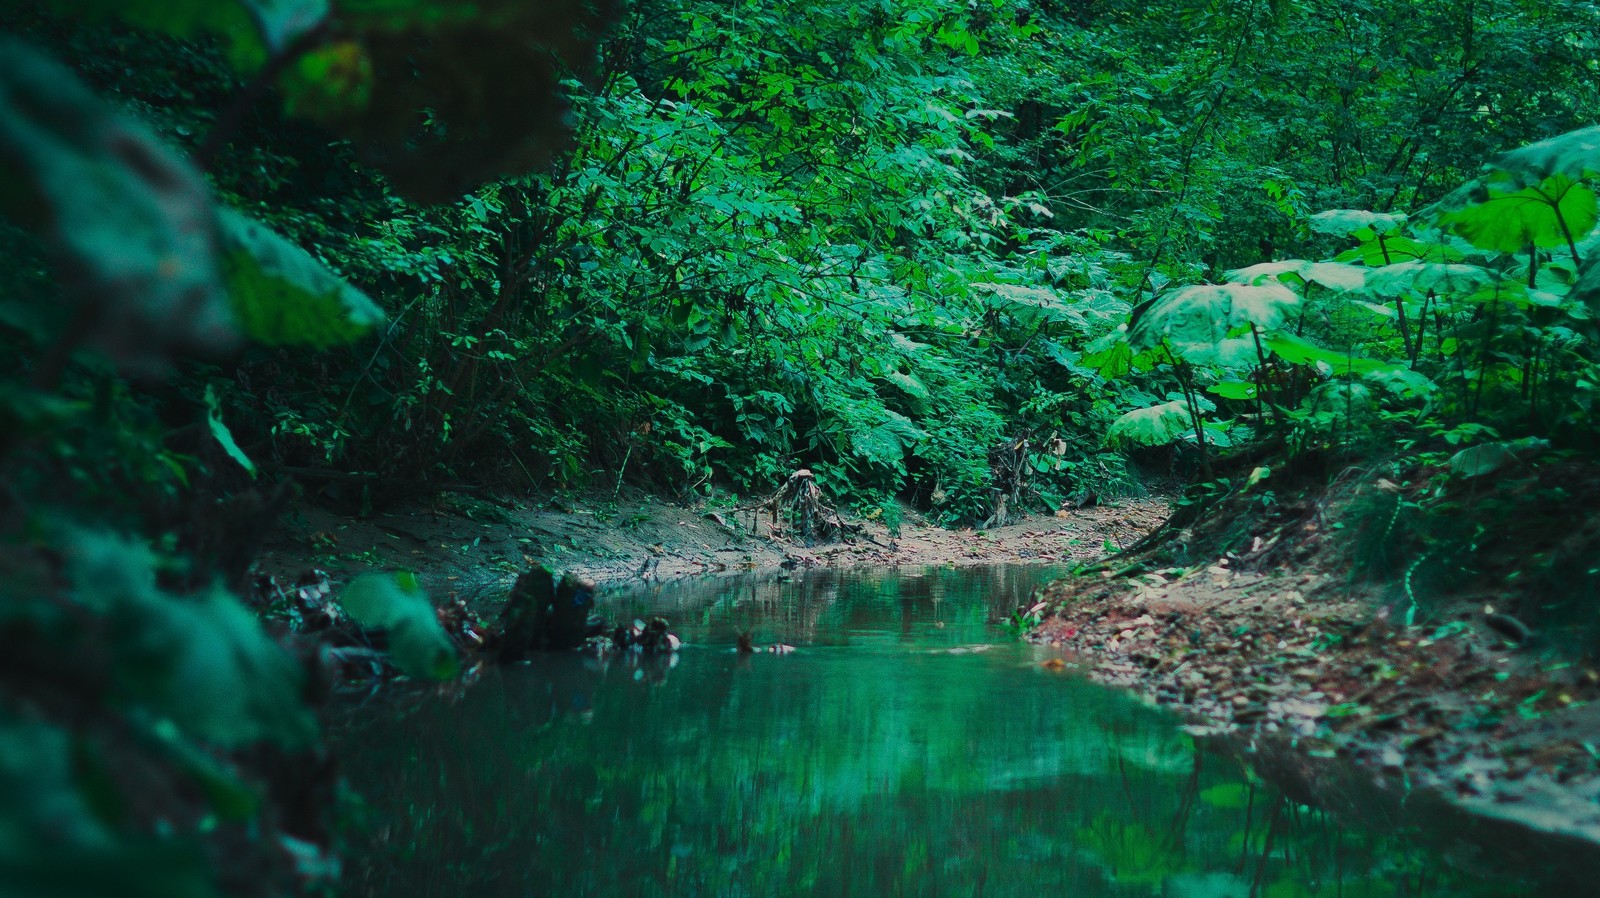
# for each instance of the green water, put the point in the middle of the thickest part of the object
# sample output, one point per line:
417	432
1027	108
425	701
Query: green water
907	747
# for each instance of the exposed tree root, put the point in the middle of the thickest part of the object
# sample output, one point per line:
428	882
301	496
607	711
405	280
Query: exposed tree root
800	506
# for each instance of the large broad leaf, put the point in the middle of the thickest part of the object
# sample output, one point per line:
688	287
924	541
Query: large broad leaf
128	223
1587	288
1033	305
1157	425
284	296
1476	461
886	442
1110	355
1575	155
1350	222
1332	275
1200	324
1497	212
1375	250
393	602
1421	277
1298	351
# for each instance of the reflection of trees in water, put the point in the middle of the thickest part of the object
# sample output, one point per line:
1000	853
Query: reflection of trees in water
829	605
838	773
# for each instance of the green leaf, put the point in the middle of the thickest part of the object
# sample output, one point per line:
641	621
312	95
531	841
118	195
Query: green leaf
1226	795
395	603
1200	323
56	845
230	797
886	443
1233	389
1587	288
223	436
1034	305
1420	277
1574	155
284	296
1493	214
128	223
1333	275
1374	250
1347	222
909	384
1296	350
1157	425
1110	355
1476	461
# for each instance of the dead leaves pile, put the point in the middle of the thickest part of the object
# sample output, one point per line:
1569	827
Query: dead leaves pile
1454	706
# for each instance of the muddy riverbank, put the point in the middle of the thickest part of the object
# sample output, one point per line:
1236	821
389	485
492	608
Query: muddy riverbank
1298	656
1308	660
472	547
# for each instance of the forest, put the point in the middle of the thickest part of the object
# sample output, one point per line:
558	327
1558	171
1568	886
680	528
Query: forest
1320	275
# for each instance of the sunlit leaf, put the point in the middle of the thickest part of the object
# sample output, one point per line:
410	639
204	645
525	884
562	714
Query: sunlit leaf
1495	213
1375	252
1200	323
1233	389
221	433
282	295
1227	795
1299	351
1157	425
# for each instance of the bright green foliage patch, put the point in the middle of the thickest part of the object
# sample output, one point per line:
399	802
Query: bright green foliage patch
393	602
1154	426
283	296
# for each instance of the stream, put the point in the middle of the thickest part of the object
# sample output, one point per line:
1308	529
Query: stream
908	746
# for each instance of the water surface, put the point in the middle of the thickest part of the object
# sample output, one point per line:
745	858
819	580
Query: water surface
907	747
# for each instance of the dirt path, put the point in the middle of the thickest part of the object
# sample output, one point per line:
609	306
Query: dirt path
473	548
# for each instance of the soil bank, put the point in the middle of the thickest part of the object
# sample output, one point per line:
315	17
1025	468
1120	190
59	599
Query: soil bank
1302	657
1293	659
473	548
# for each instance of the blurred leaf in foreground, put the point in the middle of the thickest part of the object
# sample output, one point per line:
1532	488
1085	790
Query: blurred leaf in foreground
129	223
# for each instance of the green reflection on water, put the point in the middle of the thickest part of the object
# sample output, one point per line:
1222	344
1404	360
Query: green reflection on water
906	748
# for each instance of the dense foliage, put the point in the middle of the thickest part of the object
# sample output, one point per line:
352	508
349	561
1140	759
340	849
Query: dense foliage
949	253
